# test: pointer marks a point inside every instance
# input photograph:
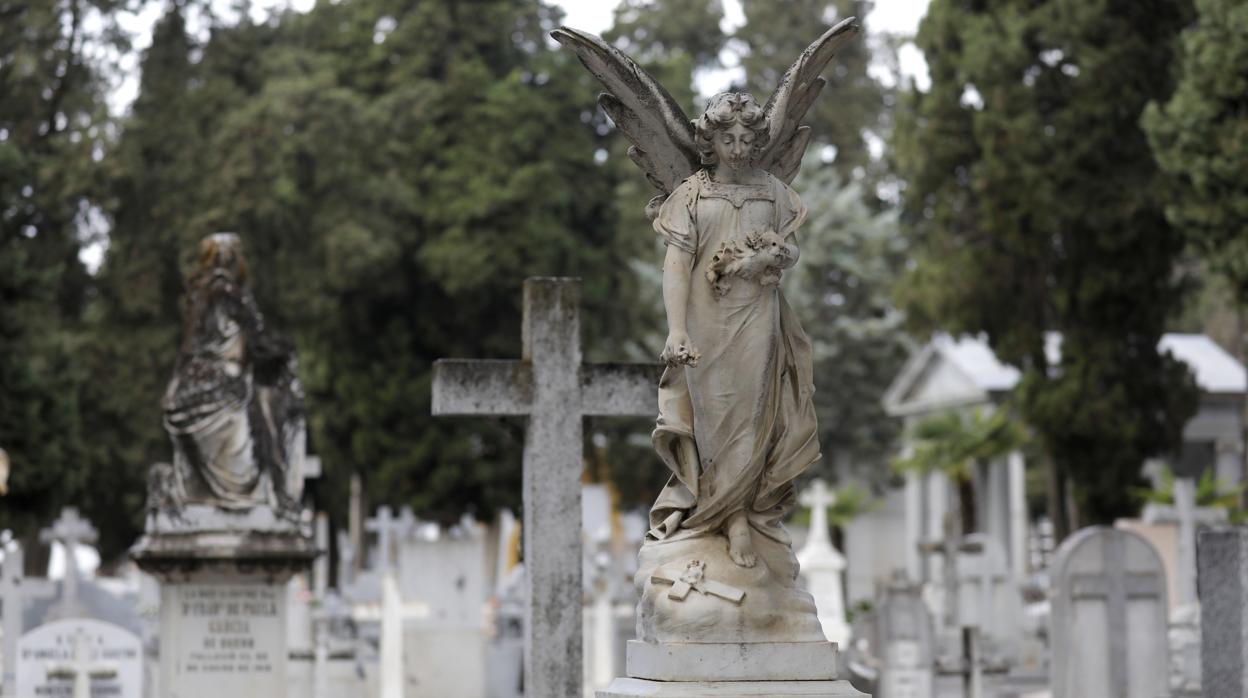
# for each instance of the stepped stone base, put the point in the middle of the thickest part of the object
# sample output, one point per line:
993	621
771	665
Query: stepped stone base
641	688
730	670
732	661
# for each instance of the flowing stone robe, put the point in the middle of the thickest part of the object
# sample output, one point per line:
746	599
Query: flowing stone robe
748	403
748	407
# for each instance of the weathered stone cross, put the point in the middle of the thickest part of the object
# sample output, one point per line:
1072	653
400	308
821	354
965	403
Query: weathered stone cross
81	669
554	390
14	590
69	530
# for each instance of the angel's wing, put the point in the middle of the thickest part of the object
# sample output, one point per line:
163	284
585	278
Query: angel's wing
798	89
661	134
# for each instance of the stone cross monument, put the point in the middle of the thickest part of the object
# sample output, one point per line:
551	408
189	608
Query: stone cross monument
551	387
69	530
721	612
226	529
822	564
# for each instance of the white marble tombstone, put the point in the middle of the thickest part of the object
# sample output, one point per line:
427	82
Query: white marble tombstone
444	570
989	599
822	565
79	657
907	643
1109	617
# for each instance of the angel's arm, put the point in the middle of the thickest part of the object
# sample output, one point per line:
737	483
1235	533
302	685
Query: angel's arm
677	271
793	215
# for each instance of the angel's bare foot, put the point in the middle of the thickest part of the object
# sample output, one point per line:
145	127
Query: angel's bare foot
740	544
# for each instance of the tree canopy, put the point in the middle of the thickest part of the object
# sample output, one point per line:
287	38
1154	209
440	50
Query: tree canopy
1036	207
1200	139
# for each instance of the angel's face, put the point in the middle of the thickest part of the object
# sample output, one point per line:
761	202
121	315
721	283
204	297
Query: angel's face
734	146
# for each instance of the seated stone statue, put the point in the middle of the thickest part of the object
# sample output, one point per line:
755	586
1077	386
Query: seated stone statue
234	407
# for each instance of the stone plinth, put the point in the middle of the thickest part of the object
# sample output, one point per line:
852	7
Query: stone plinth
639	688
728	670
744	661
223	582
1222	556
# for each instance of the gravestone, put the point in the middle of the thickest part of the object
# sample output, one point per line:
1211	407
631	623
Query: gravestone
906	643
989	599
444	569
226	528
1109	617
822	565
79	657
1222	556
15	590
505	653
551	387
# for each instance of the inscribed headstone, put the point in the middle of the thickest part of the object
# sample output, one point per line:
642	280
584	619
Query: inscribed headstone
96	658
1109	617
906	643
989	599
224	640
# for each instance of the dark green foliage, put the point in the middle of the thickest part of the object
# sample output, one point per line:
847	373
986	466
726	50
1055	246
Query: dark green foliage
1200	139
395	169
851	255
136	317
51	124
851	103
1037	207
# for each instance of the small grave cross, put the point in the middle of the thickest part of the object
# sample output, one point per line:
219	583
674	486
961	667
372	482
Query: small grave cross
818	497
69	530
14	590
81	669
384	525
551	387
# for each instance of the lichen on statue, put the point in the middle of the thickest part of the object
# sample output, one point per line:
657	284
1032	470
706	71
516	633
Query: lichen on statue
234	406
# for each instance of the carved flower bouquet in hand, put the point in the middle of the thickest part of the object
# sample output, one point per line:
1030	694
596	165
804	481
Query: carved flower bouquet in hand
758	257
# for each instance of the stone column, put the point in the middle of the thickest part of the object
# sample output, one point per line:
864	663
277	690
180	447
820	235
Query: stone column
1017	484
1222	556
1185	505
914	523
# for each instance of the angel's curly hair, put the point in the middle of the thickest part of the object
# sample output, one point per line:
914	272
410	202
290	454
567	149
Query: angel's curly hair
722	111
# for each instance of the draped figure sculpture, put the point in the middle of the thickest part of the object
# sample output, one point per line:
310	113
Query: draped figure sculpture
234	406
736	423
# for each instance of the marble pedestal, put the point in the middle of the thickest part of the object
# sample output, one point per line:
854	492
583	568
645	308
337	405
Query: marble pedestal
223	579
730	670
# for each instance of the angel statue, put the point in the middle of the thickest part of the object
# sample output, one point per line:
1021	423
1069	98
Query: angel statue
234	407
736	421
